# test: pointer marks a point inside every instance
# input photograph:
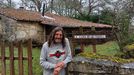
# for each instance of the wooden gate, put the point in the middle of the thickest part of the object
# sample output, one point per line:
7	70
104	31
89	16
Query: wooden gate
19	58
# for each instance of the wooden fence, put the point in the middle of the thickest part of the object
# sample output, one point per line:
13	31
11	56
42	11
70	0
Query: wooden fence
11	58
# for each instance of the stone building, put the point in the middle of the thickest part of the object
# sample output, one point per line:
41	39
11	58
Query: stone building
21	24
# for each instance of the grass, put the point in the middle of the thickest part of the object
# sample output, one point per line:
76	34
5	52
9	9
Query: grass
109	51
109	48
37	70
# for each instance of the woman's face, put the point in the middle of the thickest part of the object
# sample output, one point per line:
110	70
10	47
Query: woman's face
58	37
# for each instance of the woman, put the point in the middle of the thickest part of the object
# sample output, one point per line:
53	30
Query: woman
55	53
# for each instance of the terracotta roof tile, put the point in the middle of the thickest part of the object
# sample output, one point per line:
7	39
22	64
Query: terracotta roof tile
21	14
49	18
58	20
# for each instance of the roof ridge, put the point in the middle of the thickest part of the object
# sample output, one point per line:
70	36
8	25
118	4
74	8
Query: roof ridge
19	14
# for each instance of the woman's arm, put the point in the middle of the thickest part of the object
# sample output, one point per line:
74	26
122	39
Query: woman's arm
43	58
69	55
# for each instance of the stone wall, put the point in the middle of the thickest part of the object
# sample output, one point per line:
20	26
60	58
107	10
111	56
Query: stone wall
84	66
31	30
21	30
7	26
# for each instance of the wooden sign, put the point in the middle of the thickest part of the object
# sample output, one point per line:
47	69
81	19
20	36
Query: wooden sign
89	36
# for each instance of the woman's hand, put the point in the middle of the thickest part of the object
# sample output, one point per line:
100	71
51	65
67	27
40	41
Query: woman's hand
57	70
58	67
60	64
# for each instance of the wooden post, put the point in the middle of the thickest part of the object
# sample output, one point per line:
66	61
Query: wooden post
29	51
73	43
93	40
94	48
11	50
81	40
20	55
3	58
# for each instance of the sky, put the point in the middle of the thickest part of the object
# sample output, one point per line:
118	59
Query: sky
17	3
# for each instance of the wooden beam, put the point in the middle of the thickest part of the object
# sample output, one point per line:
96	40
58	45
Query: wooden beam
29	51
20	55
3	58
11	50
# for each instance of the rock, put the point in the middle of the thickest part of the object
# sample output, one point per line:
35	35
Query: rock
87	66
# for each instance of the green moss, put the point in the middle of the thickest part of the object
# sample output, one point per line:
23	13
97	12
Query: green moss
129	47
111	58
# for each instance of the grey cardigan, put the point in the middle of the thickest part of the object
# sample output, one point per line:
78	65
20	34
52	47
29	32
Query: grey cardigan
50	56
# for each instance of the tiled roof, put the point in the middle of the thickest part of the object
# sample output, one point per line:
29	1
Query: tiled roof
62	21
49	18
21	14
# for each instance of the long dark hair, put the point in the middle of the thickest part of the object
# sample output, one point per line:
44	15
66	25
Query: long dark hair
52	34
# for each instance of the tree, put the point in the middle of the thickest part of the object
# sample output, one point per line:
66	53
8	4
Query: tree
122	20
7	3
